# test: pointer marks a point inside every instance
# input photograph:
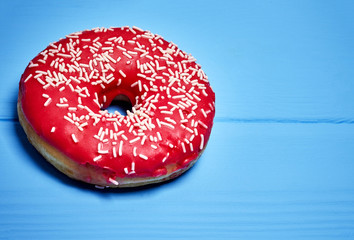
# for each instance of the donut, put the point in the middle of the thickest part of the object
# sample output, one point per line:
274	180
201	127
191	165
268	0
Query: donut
66	89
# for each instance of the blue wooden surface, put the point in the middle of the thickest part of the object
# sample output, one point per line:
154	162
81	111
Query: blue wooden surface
280	161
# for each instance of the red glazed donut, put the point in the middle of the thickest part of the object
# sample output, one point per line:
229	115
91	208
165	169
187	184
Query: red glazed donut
66	88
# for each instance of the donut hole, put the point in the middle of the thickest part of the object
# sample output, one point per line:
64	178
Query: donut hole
121	103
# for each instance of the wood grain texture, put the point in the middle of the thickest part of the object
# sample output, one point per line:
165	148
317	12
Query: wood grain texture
279	164
254	181
265	59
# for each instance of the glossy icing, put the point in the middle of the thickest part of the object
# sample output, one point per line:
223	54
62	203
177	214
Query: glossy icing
67	86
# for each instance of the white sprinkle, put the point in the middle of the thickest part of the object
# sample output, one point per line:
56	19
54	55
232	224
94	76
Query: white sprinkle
100	131
110	58
100	150
28	77
131	128
151	58
171	73
161	68
133	53
134	152
153	146
107	48
167	124
191	146
167	112
184	121
191	102
144	54
114	152
158	122
146	88
97	158
91	49
143	140
183	147
136	28
181	113
135	139
205	115
113	181
139	85
52	130
121	48
134	84
33	65
170	120
74	138
191	89
164	159
69	119
141	75
181	103
203	124
49	100
201	141
122	73
189	130
143	156
120	133
120	148
196	97
159	136
115	126
64	55
189	96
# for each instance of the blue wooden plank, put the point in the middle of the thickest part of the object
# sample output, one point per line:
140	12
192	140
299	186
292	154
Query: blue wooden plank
279	163
254	181
265	59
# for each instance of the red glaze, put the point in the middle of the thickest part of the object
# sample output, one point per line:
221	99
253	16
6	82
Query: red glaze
173	102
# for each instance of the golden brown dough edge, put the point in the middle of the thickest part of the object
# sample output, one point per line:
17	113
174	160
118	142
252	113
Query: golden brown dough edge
88	173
